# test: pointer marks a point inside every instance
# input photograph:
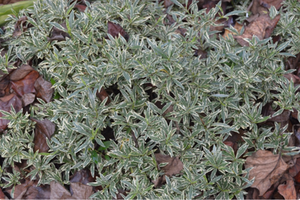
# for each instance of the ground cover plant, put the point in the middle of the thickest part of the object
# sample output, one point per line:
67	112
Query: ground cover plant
151	99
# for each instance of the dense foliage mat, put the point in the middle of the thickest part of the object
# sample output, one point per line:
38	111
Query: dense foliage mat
151	99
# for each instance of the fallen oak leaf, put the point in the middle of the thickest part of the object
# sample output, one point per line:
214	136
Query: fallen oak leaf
115	29
288	190
267	169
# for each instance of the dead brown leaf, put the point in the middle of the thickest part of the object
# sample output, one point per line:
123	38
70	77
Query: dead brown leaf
103	95
25	190
296	132
292	77
115	29
288	190
269	111
237	26
57	34
28	99
262	27
20	73
80	7
83	176
268	3
2	196
5	104
43	129
25	85
4	2
4	86
81	191
257	8
267	169
20	26
43	89
120	193
173	167
294	63
167	3
59	192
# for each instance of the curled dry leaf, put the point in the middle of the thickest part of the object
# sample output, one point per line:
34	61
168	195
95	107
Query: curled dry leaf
173	167
43	89
267	169
43	129
5	104
115	29
288	190
262	27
